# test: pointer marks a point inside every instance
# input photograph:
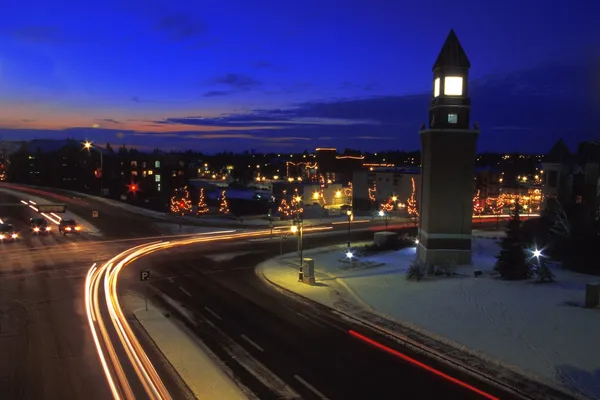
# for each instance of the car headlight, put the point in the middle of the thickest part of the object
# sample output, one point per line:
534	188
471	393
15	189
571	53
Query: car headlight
1	237
67	229
14	235
36	229
77	228
47	229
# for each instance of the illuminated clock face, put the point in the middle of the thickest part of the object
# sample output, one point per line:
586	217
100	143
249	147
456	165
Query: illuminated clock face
453	86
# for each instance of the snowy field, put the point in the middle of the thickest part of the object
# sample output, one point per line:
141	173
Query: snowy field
87	226
539	329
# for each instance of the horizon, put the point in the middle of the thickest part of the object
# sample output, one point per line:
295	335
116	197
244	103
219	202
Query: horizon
269	84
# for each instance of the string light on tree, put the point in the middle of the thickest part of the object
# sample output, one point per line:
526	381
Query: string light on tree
202	207
224	207
477	207
372	192
180	201
411	203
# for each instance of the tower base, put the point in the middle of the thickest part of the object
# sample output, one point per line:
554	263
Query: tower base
444	249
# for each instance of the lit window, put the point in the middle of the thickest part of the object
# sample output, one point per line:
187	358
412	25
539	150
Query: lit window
156	164
436	87
158	186
453	86
452	118
157	178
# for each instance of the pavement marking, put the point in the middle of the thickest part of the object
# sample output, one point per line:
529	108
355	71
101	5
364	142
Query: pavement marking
214	314
185	291
247	339
310	387
171	280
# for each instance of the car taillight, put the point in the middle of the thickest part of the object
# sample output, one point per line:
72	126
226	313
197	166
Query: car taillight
67	229
1	237
77	228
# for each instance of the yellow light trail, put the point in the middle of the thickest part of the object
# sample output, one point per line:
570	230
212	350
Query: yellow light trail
108	273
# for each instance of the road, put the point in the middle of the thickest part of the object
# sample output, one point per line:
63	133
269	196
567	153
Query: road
45	342
304	350
282	348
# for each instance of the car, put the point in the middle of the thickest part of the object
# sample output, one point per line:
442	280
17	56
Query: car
8	233
68	226
39	225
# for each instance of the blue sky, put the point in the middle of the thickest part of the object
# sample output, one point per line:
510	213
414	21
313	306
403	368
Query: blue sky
273	75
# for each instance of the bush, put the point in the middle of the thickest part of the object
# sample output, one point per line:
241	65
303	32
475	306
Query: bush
415	272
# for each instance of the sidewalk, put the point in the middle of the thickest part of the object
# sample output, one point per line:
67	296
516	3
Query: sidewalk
189	357
508	329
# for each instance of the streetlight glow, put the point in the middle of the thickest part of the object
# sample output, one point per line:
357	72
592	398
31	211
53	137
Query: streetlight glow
349	254
87	145
381	213
537	253
294	228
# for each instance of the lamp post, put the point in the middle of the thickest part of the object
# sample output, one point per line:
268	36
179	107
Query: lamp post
349	213
88	146
297	227
384	214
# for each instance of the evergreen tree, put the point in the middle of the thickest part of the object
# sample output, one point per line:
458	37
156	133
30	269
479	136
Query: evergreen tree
224	206
512	261
202	207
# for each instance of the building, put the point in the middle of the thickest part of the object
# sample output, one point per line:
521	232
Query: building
573	178
448	163
385	185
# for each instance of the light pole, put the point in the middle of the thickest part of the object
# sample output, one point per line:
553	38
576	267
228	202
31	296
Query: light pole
297	227
349	213
384	214
88	146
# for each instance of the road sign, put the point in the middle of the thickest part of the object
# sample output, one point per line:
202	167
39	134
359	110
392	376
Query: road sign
94	214
51	208
145	275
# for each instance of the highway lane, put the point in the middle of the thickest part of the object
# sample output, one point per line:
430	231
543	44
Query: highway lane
280	348
114	222
45	342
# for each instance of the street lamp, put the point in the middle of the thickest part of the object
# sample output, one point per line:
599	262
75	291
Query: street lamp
384	214
297	227
89	146
349	213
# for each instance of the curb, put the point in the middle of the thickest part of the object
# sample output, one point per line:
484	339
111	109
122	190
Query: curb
418	346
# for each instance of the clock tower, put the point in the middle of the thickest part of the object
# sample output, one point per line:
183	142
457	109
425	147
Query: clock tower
448	152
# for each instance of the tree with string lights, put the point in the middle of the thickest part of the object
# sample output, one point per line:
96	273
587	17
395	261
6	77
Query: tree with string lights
411	202
180	201
477	207
284	208
202	207
224	207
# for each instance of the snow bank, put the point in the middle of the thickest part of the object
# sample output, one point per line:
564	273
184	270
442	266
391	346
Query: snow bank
537	328
88	227
199	371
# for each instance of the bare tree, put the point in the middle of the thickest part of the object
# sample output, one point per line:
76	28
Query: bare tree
561	226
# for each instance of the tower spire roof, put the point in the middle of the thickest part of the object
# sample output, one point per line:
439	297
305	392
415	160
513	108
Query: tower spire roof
452	54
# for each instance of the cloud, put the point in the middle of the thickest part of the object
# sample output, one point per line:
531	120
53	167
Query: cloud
357	86
37	34
181	26
237	81
136	99
109	120
262	64
215	93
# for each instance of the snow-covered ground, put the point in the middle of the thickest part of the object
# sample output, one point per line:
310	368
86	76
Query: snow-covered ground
541	330
194	363
88	227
